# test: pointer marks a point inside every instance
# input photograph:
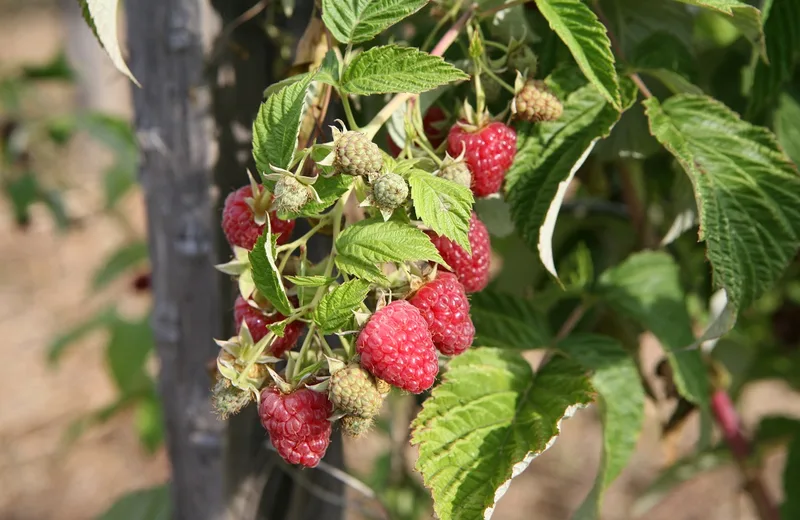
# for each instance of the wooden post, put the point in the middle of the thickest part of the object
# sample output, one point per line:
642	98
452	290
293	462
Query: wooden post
174	130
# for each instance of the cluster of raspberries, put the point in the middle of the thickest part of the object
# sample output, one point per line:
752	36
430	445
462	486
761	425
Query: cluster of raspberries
398	344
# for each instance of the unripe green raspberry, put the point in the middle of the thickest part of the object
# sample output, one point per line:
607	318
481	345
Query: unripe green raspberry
290	195
355	154
535	102
389	191
227	399
353	391
524	60
355	426
457	172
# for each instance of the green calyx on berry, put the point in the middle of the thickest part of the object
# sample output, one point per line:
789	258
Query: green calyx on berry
227	399
535	102
243	362
260	202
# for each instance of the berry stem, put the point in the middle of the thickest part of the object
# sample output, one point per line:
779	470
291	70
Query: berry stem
291	246
444	43
499	80
348	112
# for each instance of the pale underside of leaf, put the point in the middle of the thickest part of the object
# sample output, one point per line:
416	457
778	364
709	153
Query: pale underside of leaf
104	16
487	421
747	191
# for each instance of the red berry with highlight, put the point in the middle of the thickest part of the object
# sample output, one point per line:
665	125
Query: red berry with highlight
395	346
489	153
444	305
257	322
472	270
239	225
297	424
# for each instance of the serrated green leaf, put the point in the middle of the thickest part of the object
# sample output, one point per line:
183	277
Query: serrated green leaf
442	205
747	191
329	189
586	38
503	320
357	21
646	287
361	269
372	242
548	156
309	281
764	81
616	379
277	126
101	15
119	262
382	70
128	348
486	422
144	504
335	309
634	21
265	273
745	17
328	71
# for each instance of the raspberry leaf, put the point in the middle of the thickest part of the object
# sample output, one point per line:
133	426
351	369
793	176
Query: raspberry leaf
548	156
665	57
616	379
442	205
747	191
586	38
493	415
309	281
128	349
745	17
390	68
101	16
265	273
329	189
503	320
369	242
791	479
277	126
646	287
335	310
763	80
787	124
357	21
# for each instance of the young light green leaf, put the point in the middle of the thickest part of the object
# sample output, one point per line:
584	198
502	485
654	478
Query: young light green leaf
309	281
361	269
119	262
616	379
357	21
646	287
745	17
548	156
265	273
747	191
503	320
764	81
101	15
493	415
382	70
442	205
335	310
373	241
586	37
277	126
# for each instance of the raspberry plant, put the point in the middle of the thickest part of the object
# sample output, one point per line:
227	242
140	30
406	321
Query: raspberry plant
544	106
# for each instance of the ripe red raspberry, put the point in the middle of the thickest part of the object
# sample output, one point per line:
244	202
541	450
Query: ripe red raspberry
472	270
297	424
431	122
444	305
257	322
395	346
239	226
489	154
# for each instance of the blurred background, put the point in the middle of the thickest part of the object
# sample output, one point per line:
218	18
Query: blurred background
80	421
